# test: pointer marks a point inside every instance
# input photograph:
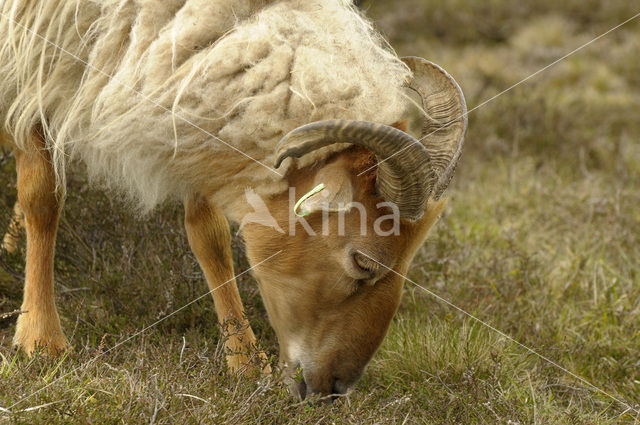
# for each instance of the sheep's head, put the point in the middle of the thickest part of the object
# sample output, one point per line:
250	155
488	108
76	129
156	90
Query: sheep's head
333	290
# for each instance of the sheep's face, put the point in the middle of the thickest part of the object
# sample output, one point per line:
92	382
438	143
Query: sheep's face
328	300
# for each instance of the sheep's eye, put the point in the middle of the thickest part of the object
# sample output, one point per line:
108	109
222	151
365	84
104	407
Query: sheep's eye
364	263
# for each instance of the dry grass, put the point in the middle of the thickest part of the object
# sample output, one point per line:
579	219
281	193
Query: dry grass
541	239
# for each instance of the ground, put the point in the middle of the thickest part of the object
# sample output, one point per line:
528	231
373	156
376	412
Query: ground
540	240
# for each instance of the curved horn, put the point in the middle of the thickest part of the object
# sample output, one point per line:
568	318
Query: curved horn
446	118
405	178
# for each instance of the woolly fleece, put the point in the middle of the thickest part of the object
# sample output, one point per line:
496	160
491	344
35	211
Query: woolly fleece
151	95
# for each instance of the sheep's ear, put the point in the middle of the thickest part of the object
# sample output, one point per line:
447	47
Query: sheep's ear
337	194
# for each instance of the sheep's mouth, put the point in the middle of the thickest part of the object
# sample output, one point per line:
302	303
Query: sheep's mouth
300	387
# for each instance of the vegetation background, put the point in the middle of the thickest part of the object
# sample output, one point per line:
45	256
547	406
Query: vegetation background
540	239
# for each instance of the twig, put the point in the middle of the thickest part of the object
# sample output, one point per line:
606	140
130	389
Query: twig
12	313
193	396
30	409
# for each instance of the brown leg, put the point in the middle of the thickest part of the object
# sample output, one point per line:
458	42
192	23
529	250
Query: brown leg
12	237
210	239
40	324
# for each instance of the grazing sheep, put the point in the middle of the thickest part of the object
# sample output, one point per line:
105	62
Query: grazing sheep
188	100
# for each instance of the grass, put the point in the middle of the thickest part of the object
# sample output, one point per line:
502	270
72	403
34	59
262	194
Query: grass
540	239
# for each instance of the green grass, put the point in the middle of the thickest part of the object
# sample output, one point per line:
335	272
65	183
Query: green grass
541	239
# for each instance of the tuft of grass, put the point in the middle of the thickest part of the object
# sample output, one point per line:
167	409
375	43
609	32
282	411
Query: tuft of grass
540	239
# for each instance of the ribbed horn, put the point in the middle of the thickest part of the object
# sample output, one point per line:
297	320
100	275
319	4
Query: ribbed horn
404	178
446	118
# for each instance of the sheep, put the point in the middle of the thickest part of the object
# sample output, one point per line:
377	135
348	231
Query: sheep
193	100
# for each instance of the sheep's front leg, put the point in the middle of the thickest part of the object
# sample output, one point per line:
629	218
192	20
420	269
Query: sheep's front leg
210	239
39	325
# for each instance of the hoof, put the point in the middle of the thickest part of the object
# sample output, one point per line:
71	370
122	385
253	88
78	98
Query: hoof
33	335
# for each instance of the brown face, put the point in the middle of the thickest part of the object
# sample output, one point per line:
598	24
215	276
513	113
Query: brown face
329	303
